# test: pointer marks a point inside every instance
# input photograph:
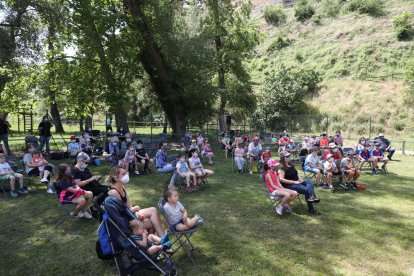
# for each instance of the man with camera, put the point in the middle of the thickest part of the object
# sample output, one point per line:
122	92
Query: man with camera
44	130
4	134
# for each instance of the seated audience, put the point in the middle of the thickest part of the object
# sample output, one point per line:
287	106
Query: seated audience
162	165
121	131
331	169
239	157
130	159
175	213
324	141
88	147
207	152
73	147
364	156
128	139
378	155
194	145
118	178
339	139
143	157
361	144
7	174
184	171
334	151
289	178
253	153
313	164
185	142
291	147
274	187
350	171
112	150
32	169
385	145
197	167
70	192
282	142
200	140
265	156
149	243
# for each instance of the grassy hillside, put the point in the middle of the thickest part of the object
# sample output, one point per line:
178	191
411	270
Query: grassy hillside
359	57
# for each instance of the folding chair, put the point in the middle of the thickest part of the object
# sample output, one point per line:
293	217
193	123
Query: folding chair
233	164
274	200
3	186
181	237
67	208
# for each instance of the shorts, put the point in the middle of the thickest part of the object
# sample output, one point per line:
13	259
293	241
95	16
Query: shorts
309	169
198	170
174	227
7	176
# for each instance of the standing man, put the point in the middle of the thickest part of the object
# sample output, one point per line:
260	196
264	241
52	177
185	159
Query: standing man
4	134
44	130
108	123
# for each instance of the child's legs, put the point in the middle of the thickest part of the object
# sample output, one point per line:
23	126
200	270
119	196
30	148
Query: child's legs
208	172
12	182
374	162
20	177
191	222
350	175
357	174
154	249
199	173
361	163
286	196
80	203
89	198
154	238
193	175
187	177
329	178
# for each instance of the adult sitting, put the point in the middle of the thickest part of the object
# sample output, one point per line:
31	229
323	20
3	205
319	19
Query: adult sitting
32	168
289	178
291	147
111	151
238	157
73	147
349	169
197	167
142	156
84	178
334	151
282	142
118	177
304	151
313	164
185	142
385	145
275	189
162	165
88	147
339	139
253	153
128	139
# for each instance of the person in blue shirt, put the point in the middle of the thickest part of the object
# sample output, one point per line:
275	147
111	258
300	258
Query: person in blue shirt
162	165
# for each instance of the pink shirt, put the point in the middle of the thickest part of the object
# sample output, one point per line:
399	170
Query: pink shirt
275	181
239	152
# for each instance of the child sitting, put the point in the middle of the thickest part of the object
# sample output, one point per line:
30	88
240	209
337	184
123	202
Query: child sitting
70	192
207	151
130	158
377	155
184	171
330	169
73	147
7	173
194	145
176	215
197	167
265	156
147	241
38	160
200	140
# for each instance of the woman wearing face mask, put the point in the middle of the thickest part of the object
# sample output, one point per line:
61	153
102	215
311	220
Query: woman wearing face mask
361	144
84	178
70	192
32	169
289	178
118	178
274	187
197	167
111	151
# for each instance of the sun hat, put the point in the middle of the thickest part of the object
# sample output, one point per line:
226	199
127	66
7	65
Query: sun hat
329	156
255	138
272	163
332	145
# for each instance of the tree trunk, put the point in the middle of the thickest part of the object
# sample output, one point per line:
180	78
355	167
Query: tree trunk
88	122
121	119
167	90
81	128
164	130
54	111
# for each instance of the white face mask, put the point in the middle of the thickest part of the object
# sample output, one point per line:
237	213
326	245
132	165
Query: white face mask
335	150
362	142
195	155
314	154
128	139
125	178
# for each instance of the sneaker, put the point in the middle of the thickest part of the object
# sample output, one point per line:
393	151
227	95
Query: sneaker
13	193
288	209
164	238
44	181
389	157
314	212
374	171
167	244
87	215
326	186
71	214
343	186
50	191
330	187
137	172
200	220
279	210
354	185
311	199
80	215
384	169
22	191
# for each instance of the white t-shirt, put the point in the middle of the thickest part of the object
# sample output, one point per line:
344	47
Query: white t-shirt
255	150
200	139
327	164
173	215
5	168
311	159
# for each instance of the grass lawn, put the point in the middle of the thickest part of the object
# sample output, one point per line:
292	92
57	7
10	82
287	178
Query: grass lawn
359	232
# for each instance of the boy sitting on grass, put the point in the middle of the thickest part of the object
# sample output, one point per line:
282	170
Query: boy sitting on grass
7	173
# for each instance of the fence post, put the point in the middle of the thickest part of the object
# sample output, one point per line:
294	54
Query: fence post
370	124
403	147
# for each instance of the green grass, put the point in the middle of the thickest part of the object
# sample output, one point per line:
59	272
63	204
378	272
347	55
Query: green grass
359	232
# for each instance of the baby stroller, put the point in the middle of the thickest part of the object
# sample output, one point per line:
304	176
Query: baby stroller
114	242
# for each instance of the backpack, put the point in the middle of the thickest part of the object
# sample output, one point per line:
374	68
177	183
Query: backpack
103	244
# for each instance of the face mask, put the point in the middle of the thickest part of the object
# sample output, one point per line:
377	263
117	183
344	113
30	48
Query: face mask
84	166
362	142
125	179
128	139
68	173
335	150
275	168
288	159
114	143
31	150
195	155
72	141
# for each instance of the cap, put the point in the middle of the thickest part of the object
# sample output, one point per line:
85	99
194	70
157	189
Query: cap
82	156
381	135
272	163
306	138
332	145
255	138
328	156
193	140
72	137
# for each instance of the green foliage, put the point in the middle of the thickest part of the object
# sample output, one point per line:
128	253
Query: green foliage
283	93
274	15
408	94
303	10
278	43
402	25
299	57
330	8
371	7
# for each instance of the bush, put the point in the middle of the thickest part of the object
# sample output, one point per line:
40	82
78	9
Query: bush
279	43
398	125
330	8
274	15
402	25
303	10
371	7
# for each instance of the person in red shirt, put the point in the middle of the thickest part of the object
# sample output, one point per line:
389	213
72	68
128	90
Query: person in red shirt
282	142
266	155
324	141
333	149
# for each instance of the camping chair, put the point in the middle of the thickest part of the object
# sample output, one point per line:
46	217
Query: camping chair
30	178
181	237
274	200
3	185
67	208
233	163
114	242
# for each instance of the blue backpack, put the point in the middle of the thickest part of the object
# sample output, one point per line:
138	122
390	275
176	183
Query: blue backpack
103	244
